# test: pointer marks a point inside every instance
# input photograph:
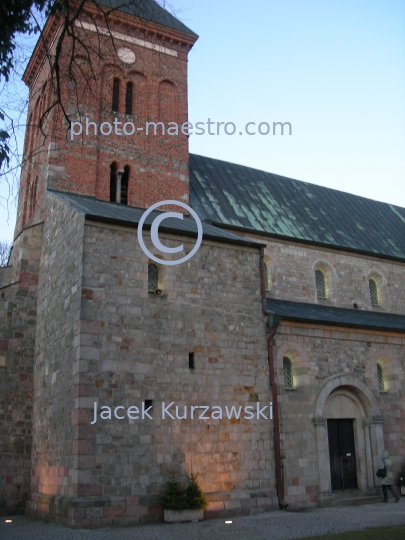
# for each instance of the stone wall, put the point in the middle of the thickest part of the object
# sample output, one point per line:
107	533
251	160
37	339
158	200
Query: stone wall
291	270
18	301
319	355
137	347
103	338
54	423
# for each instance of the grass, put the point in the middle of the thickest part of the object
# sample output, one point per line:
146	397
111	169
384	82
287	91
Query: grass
388	533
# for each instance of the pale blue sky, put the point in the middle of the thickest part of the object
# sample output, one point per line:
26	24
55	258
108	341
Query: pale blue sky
334	69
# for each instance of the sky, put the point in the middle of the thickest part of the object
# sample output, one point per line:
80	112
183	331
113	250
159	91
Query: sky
333	69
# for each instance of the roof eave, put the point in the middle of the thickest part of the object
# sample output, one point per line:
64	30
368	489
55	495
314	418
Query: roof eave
309	242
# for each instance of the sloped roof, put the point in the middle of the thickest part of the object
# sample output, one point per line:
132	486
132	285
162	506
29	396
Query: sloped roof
148	10
354	318
243	198
94	209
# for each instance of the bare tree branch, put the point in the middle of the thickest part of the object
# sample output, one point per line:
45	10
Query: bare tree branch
5	250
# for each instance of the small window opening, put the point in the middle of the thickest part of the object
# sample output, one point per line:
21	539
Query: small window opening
116	94
191	363
373	292
119	184
153	277
123	199
320	284
380	378
287	369
128	98
148	403
113	182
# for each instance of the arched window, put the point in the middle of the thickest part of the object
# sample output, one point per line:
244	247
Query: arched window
119	184
113	182
320	284
380	377
373	292
124	186
128	98
287	369
116	95
153	277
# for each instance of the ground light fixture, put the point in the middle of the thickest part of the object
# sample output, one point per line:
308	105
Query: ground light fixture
228	522
8	521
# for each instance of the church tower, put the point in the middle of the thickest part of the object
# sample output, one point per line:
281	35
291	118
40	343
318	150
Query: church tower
125	65
123	79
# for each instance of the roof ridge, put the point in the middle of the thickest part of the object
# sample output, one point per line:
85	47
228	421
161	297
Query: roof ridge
297	180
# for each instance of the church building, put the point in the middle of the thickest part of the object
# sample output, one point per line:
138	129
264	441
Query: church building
271	362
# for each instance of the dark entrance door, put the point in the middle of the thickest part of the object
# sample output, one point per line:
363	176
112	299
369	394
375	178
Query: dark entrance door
342	457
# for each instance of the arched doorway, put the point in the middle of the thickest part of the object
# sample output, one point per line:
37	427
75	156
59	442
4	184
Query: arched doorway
349	433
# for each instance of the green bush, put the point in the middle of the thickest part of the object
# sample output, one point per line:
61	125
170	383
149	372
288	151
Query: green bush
177	496
196	499
174	495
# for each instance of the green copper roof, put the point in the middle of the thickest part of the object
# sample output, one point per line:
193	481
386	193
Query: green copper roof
238	197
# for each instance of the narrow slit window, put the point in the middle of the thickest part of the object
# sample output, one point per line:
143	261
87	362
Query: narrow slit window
320	284
153	277
116	95
148	403
287	369
373	292
128	98
380	378
191	363
113	182
123	199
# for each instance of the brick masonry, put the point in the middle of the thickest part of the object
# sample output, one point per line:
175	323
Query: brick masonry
158	164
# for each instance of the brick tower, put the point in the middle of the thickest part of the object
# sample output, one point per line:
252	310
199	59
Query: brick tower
139	76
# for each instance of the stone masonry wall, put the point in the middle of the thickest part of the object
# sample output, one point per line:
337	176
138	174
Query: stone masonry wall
18	301
54	425
318	353
291	270
135	346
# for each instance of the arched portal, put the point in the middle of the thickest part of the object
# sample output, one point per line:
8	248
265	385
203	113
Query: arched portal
345	409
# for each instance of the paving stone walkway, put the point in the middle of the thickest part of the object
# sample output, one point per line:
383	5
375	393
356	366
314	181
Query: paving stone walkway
270	526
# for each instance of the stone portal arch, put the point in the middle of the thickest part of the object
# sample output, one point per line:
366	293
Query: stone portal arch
346	397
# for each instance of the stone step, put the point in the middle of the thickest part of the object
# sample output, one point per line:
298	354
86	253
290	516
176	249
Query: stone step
352	498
